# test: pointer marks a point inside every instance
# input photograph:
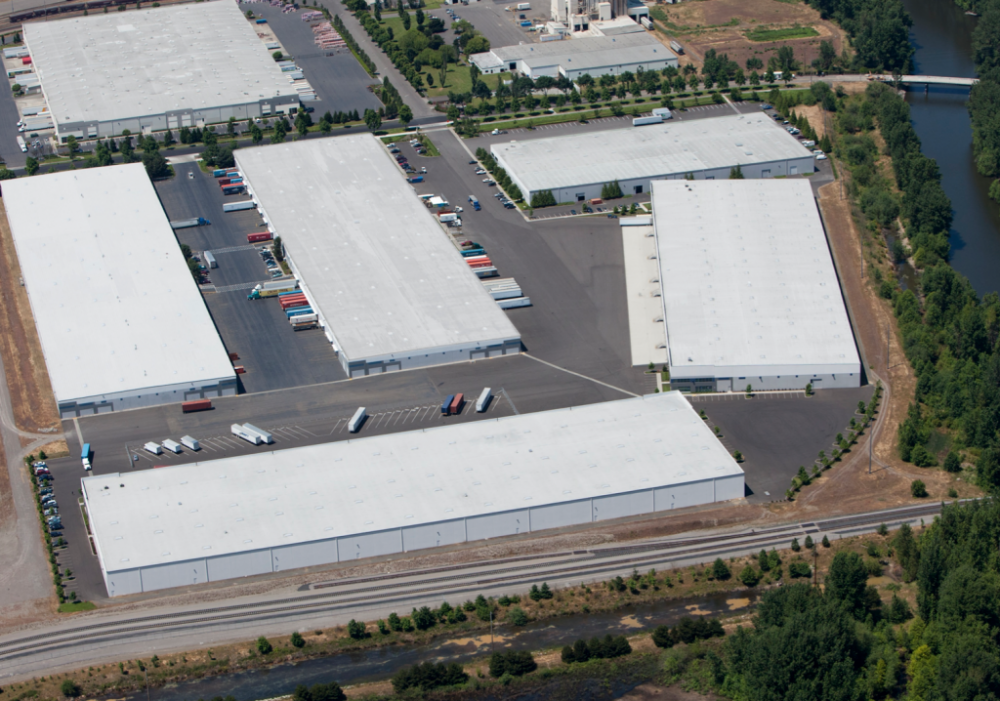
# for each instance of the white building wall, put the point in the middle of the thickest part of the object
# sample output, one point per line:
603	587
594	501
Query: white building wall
418	537
153	396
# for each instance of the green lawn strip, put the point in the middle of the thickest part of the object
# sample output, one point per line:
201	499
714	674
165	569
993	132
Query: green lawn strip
429	145
786	34
73	608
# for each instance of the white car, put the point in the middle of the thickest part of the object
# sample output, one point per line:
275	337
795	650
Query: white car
459	209
480	171
817	152
495	132
820	156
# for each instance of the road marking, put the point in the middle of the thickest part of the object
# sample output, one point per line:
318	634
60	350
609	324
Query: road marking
238	287
571	372
76	424
507	397
335	426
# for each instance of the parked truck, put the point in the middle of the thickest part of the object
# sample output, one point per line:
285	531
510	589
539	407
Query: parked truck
188	223
677	48
272	289
153	448
85	456
172	446
265	437
484	400
191	443
514	303
240	432
210	260
259	236
643	121
354	425
238	206
196	405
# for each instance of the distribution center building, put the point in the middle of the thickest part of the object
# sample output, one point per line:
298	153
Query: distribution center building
593	55
121	322
575	168
280	510
749	290
155	69
391	291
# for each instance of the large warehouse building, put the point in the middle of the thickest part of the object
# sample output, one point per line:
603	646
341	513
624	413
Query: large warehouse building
391	290
162	68
595	56
750	293
121	322
575	168
278	511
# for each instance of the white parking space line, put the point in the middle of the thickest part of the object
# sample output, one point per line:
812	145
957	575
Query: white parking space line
336	426
306	431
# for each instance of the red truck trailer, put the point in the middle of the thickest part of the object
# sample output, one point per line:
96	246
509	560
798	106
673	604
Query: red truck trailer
196	405
257	238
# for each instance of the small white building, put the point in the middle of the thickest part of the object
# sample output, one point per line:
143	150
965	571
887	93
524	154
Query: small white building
121	323
591	55
155	69
276	511
575	168
749	290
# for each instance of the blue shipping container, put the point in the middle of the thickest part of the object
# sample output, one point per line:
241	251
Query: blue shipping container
296	311
474	252
85	453
290	292
262	21
416	179
219	173
446	407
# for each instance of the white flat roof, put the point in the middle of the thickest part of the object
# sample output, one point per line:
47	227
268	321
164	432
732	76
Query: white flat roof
375	260
403	479
123	65
113	300
586	52
648	152
749	286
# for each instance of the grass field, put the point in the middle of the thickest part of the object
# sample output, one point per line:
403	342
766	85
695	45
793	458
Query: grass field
73	608
786	34
458	80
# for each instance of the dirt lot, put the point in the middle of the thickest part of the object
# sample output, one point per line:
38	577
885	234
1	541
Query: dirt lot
27	377
723	24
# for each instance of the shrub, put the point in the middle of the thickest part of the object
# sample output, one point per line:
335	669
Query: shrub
428	676
720	570
263	646
952	463
356	629
517	616
515	663
69	688
749	576
297	640
687	631
799	569
319	692
918	489
597	649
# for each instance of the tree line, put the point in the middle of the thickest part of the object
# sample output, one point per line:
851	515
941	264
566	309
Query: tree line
984	100
879	31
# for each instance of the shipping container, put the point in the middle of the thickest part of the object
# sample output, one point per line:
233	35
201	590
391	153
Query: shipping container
448	217
292	302
484	400
643	121
219	172
273	289
23	146
303	318
644	21
239	369
289	293
191	443
485	272
187	223
258	237
153	448
446	404
232	173
354	425
415	179
456	404
526	23
239	206
524	6
305	325
472	252
262	21
210	260
85	453
676	47
264	435
232	189
240	432
296	312
663	112
172	446
224	181
196	405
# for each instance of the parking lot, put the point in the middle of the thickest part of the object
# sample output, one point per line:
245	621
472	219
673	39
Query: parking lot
273	355
340	81
493	22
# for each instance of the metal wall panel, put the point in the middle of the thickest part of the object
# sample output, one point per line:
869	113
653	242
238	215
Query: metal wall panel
559	515
239	565
175	574
434	534
370	545
727	488
681	495
124	582
496	525
619	505
304	555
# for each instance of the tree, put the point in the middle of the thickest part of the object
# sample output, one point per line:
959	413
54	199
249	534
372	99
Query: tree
517	616
303	120
373	120
809	543
428	676
720	570
263	646
30	166
168	138
256	135
317	692
423	619
280	131
515	663
405	115
952	463
297	640
156	165
795	545
231	126
826	542
846	582
277	56
69	688
357	630
736	173
786	62
749	576
72	146
918	489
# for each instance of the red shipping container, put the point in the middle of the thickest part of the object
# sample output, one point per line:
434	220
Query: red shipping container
456	404
481	264
196	405
239	369
478	259
25	61
292	298
234	356
256	238
294	304
225	181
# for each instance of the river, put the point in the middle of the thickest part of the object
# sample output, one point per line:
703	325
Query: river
942	35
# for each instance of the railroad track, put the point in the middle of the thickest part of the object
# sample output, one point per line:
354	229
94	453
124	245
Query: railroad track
439	583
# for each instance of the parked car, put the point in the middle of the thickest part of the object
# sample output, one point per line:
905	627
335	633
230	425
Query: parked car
766	106
573	212
509	205
821	157
472	163
480	171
